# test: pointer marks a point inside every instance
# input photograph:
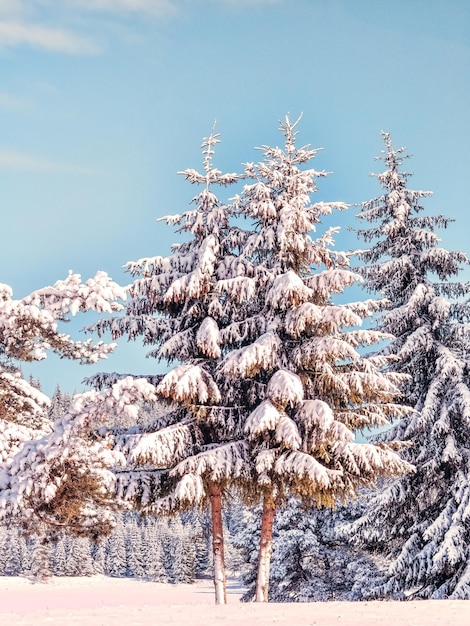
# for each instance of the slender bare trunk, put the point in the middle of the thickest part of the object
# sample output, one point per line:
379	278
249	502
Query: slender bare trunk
218	545
265	550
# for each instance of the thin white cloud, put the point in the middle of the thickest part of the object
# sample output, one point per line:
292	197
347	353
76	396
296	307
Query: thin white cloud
37	36
153	8
12	8
15	160
12	103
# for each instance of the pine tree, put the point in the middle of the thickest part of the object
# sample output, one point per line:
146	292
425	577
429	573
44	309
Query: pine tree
116	552
17	562
41	554
186	456
153	551
311	564
98	557
134	553
182	554
59	558
308	385
79	561
4	546
421	520
60	404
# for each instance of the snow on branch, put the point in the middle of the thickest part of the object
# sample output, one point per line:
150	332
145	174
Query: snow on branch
160	448
208	338
298	464
71	296
239	289
287	433
21	402
327	348
288	290
302	318
331	281
261	355
315	414
369	461
264	418
228	461
285	389
13	436
189	384
29	327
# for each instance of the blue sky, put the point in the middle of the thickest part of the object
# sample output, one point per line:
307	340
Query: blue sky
103	101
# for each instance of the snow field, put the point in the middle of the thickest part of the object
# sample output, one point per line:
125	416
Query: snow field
101	601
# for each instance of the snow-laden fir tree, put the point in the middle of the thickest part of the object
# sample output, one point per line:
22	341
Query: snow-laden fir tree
59	404
422	520
59	558
153	551
308	384
134	551
189	454
41	554
116	564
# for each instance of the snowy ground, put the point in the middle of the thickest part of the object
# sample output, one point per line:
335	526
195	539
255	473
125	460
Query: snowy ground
101	601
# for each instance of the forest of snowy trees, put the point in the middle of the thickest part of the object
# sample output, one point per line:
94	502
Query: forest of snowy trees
246	456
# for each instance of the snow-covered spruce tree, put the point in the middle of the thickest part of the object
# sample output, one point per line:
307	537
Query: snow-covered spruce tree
41	552
187	456
29	328
308	386
59	405
311	564
116	551
422	520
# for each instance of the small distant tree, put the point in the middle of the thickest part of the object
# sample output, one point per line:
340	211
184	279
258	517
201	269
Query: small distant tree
59	558
134	552
116	564
183	554
80	562
98	557
153	551
41	555
59	404
17	562
422	520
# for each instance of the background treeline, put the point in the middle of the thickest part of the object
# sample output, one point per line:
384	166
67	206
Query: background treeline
169	550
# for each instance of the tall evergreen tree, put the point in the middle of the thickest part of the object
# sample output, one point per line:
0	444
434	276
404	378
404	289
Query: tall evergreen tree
186	456
308	384
423	519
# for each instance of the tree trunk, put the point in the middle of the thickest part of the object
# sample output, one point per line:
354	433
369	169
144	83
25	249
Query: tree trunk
265	550
218	545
